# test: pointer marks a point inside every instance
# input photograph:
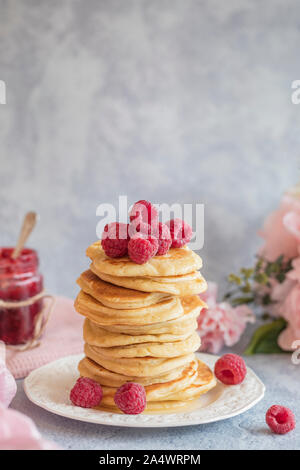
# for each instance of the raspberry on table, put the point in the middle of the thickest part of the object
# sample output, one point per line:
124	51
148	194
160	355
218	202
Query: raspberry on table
144	211
141	248
131	398
181	232
164	239
280	419
86	393
230	369
115	239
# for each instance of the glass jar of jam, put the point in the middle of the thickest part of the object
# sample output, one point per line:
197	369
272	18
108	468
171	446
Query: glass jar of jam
19	281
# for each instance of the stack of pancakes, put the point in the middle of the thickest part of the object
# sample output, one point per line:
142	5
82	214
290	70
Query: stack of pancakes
140	326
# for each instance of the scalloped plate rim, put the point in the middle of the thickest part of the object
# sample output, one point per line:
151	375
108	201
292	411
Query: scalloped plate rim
151	421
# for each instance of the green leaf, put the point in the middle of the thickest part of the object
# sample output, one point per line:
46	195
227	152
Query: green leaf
261	278
280	277
259	264
280	259
234	279
242	300
247	272
266	316
266	300
264	340
246	289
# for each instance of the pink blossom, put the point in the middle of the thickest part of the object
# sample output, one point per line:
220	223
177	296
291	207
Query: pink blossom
282	237
281	230
221	324
287	338
294	273
291	313
278	294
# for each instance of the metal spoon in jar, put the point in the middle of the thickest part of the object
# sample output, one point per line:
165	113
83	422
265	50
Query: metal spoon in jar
27	227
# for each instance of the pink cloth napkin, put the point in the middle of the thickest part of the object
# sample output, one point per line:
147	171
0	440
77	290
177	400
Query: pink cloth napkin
17	431
62	337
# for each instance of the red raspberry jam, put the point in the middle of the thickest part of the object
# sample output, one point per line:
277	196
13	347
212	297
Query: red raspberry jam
19	280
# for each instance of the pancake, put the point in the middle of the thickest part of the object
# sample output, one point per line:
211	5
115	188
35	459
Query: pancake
176	261
165	310
97	336
185	284
141	326
89	368
115	296
138	366
200	383
157	392
154	407
173	349
187	323
205	381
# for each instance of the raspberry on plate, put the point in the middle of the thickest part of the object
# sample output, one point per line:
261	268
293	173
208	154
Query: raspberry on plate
115	239
164	239
181	232
131	398
230	369
144	211
280	419
86	393
141	248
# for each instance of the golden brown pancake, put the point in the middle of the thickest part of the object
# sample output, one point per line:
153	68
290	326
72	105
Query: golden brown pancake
185	284
176	261
162	311
204	381
97	336
186	323
138	366
164	399
140	326
174	349
115	296
160	391
89	368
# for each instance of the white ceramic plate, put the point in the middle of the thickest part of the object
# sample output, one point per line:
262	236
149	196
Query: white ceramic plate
49	387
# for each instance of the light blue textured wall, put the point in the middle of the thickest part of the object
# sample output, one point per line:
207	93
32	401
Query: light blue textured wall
168	100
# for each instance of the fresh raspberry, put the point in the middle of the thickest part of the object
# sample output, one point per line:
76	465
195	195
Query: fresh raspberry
280	419
164	239
115	239
144	211
86	393
141	248
131	398
139	227
181	232
230	369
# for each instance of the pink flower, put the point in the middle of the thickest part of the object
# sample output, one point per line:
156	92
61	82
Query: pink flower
278	294
294	274
286	339
221	323
282	237
291	313
281	230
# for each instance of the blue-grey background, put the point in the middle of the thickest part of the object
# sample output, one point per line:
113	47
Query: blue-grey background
167	100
